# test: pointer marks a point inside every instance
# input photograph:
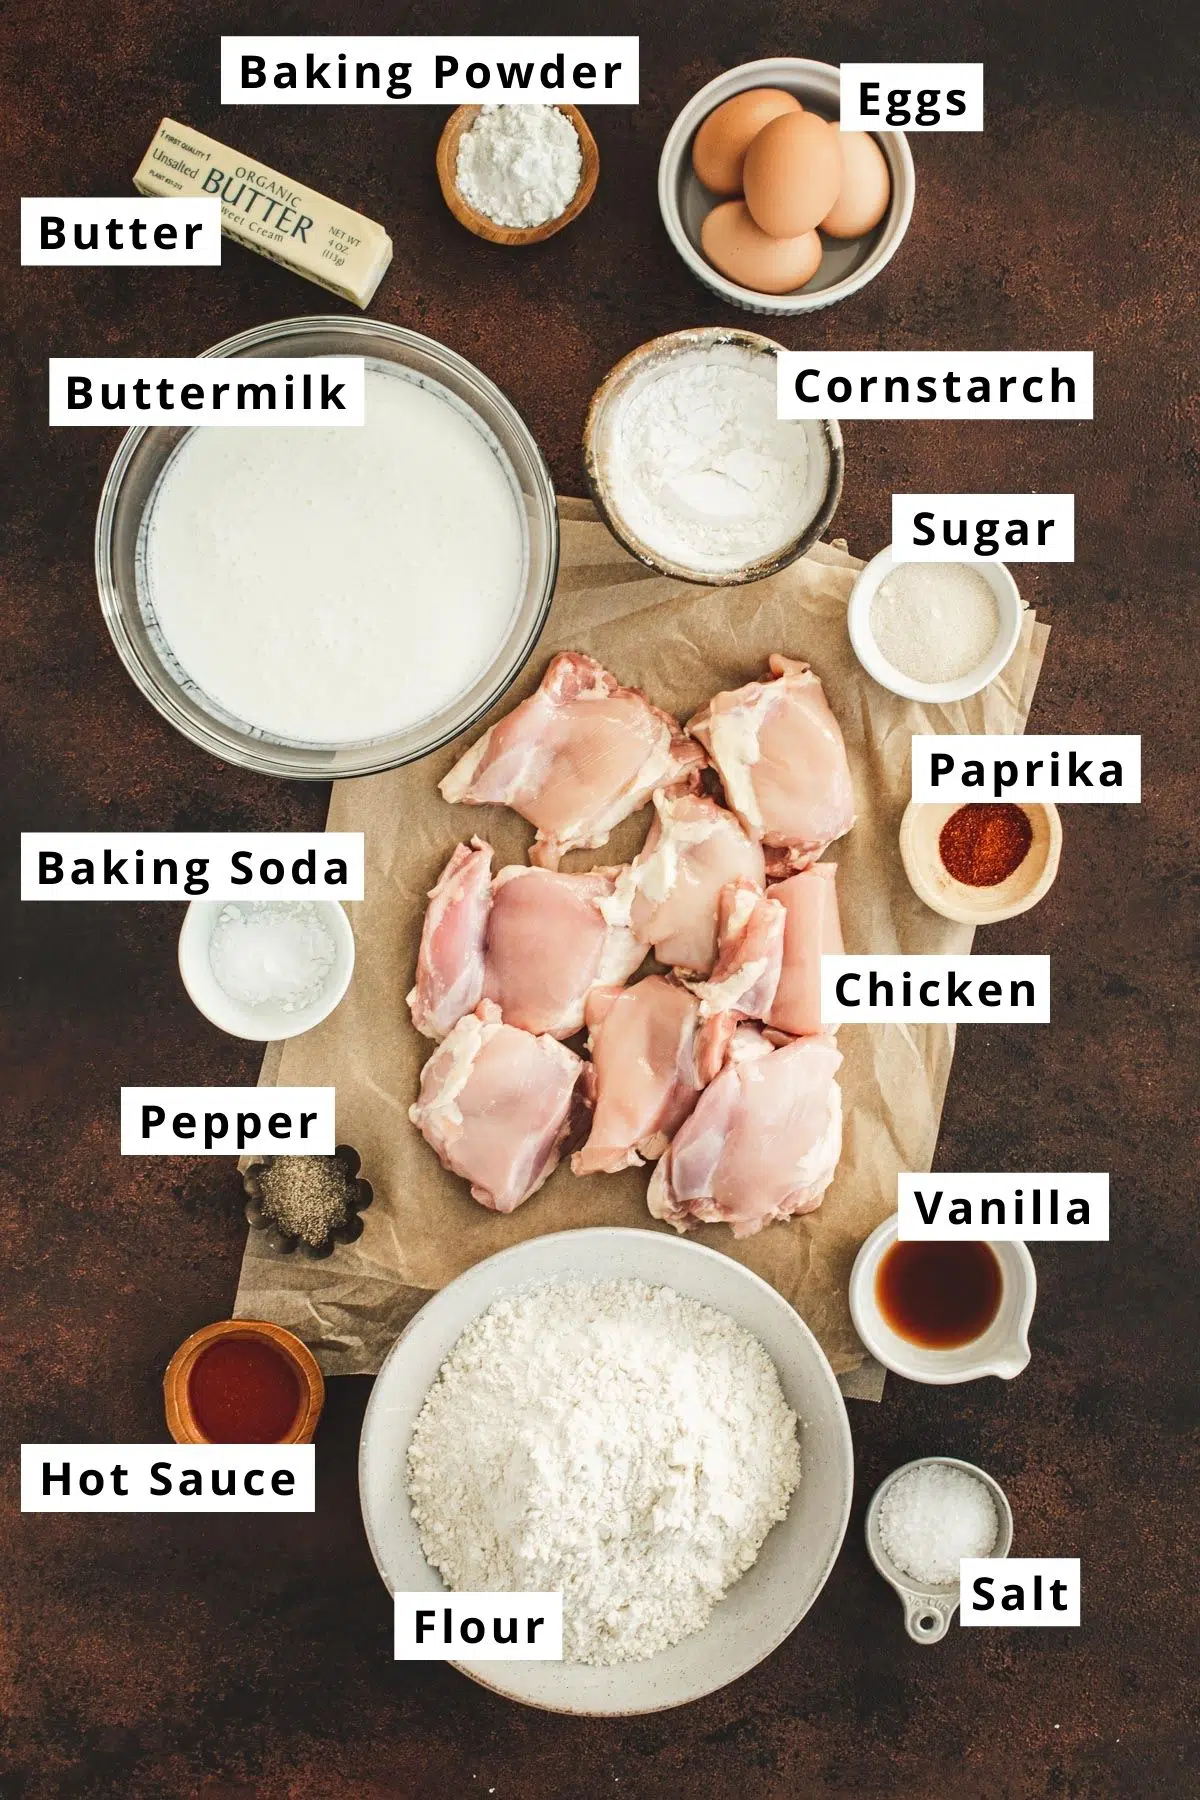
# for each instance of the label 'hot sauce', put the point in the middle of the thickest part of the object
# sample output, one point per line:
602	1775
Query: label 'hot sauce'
939	1295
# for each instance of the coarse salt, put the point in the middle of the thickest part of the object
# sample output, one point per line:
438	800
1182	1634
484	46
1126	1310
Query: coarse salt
519	165
934	621
272	952
933	1516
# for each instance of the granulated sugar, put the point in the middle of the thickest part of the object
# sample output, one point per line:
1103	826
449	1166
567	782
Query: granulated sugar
615	1441
934	621
932	1517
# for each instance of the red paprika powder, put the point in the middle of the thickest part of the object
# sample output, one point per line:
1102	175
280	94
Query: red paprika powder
982	845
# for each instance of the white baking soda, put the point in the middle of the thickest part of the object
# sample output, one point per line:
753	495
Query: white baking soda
329	586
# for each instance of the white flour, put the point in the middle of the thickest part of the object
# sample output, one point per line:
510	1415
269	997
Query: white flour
520	165
702	469
615	1441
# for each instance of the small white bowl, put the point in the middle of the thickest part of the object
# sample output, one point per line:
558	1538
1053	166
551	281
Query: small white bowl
1002	1350
266	1023
1010	610
848	264
771	1598
929	1608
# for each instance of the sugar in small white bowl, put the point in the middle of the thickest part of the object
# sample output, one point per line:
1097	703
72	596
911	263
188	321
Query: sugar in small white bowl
1009	612
267	1021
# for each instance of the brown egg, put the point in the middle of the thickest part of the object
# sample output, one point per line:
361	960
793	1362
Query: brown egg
792	174
866	189
719	147
734	244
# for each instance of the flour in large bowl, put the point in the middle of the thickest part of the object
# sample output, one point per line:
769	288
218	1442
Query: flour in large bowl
619	1442
329	587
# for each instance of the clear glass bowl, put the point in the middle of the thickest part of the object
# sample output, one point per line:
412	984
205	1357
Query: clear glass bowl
130	484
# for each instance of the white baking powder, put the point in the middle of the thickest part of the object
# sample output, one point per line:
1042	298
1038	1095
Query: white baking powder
934	621
519	165
615	1441
330	587
701	469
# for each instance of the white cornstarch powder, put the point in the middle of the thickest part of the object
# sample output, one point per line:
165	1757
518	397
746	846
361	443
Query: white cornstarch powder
701	469
520	165
276	951
615	1441
934	621
932	1517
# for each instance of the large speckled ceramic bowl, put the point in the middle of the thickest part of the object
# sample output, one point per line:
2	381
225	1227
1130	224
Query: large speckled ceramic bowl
768	1602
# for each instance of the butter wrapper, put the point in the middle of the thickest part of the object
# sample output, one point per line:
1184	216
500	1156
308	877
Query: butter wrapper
268	212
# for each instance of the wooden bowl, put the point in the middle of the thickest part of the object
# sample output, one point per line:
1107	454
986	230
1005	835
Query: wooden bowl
931	882
459	121
181	1421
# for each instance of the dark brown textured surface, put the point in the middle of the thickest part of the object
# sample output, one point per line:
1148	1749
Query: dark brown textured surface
245	1658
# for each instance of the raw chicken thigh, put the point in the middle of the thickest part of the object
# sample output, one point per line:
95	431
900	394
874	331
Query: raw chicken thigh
450	960
651	1056
549	945
533	940
770	948
762	1142
781	759
669	893
575	758
500	1106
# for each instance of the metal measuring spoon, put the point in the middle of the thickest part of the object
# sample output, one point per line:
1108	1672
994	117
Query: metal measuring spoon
928	1609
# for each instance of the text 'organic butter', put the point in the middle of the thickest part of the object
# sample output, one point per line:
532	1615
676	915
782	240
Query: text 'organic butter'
265	211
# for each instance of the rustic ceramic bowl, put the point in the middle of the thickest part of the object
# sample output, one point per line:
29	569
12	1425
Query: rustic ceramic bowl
360	1197
823	475
931	881
847	264
928	1609
181	1421
1003	1349
768	1602
461	120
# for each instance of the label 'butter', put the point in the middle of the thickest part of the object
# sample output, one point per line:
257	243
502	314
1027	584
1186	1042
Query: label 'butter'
265	211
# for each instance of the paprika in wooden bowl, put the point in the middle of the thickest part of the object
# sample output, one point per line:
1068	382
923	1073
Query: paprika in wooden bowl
980	862
243	1381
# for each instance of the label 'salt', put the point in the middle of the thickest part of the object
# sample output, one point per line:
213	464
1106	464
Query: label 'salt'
1019	1590
271	213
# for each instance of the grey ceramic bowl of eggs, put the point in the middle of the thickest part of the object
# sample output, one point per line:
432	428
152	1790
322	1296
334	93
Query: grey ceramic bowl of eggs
768	202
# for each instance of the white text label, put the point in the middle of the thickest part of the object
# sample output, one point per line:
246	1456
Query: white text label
168	1478
206	390
999	1208
286	1121
912	96
122	232
1019	1590
983	527
191	865
934	384
930	990
440	1627
1062	769
427	71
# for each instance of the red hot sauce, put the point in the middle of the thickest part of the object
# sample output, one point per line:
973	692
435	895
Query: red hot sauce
243	1391
982	845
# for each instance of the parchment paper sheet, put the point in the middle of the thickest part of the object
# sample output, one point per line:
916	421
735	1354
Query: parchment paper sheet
681	643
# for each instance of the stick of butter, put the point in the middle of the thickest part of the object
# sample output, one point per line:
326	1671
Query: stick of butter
260	208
